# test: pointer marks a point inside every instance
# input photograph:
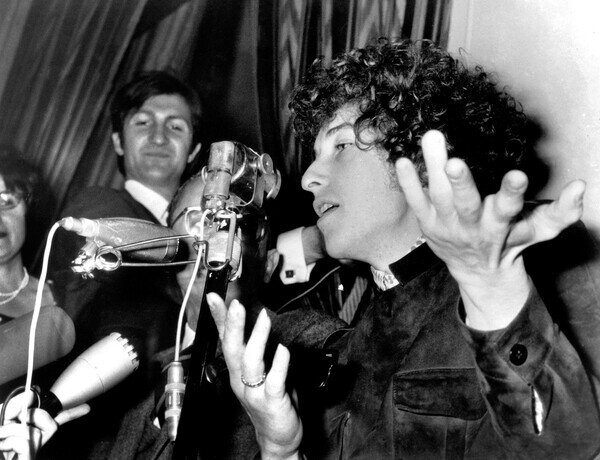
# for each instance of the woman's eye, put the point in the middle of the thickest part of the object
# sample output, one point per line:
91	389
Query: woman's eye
342	146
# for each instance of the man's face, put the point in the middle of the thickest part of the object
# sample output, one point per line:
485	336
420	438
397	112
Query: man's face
157	141
360	206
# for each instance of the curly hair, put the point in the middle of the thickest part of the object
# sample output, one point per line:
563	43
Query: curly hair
403	89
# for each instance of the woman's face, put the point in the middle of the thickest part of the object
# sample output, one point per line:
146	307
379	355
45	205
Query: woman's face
12	228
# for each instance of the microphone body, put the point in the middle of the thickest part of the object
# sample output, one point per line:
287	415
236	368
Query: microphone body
118	231
98	369
174	392
106	239
54	338
218	174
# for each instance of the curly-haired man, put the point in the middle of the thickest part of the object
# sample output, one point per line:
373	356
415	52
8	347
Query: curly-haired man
458	355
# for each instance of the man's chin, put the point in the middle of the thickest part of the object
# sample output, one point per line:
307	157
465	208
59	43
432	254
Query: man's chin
157	175
336	248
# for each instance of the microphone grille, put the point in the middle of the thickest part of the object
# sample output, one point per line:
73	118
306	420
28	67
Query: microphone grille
128	348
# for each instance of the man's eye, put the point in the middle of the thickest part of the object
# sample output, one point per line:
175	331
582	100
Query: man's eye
177	127
140	122
342	146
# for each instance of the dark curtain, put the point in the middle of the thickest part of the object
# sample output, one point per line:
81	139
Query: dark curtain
60	61
66	53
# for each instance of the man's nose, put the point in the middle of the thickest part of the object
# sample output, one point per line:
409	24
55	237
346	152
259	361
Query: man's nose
315	176
158	134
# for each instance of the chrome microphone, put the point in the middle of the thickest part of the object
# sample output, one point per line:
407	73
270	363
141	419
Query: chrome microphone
112	239
98	369
217	175
174	392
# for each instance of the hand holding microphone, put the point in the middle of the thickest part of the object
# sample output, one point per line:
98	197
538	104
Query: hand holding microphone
25	433
98	369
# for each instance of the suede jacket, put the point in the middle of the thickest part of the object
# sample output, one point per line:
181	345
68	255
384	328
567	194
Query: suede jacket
415	382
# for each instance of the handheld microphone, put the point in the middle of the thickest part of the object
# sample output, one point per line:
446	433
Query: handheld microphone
111	240
118	231
55	335
98	369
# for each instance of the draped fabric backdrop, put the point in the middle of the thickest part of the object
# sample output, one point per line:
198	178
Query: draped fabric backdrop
60	61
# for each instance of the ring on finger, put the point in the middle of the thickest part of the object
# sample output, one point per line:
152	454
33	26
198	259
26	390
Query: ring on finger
254	384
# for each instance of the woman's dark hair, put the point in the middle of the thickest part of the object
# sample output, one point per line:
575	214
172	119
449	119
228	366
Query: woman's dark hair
18	174
404	89
142	87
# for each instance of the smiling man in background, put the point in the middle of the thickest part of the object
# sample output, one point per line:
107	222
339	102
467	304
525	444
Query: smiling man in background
156	129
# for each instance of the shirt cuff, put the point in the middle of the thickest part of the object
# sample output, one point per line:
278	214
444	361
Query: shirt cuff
524	345
294	268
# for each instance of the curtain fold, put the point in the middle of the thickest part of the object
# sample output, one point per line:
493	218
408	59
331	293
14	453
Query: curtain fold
13	14
56	88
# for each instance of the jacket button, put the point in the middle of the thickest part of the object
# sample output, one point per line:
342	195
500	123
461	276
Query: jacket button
518	354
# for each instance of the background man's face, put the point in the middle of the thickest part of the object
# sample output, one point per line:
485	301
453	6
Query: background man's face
157	141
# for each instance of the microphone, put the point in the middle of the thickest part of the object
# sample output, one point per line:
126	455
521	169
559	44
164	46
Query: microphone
98	369
174	392
55	337
218	175
119	231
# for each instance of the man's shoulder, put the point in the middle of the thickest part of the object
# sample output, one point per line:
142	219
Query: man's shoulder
97	202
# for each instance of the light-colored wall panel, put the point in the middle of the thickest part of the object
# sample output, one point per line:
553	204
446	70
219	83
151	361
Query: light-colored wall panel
548	53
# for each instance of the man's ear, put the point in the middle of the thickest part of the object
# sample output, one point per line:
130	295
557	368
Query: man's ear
271	264
192	155
116	139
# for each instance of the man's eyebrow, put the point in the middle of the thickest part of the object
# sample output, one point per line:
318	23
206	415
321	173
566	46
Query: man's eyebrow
178	117
170	116
336	128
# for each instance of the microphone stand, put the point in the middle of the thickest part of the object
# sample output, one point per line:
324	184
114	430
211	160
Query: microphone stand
199	426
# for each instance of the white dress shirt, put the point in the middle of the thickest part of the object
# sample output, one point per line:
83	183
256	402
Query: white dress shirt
154	202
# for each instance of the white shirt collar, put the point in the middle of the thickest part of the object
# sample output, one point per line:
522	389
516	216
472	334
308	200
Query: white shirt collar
154	202
386	280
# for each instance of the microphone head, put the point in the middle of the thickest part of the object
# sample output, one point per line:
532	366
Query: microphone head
98	369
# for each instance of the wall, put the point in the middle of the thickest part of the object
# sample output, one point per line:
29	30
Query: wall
548	54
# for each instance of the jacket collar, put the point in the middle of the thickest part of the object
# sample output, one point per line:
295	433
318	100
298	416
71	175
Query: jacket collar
414	264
